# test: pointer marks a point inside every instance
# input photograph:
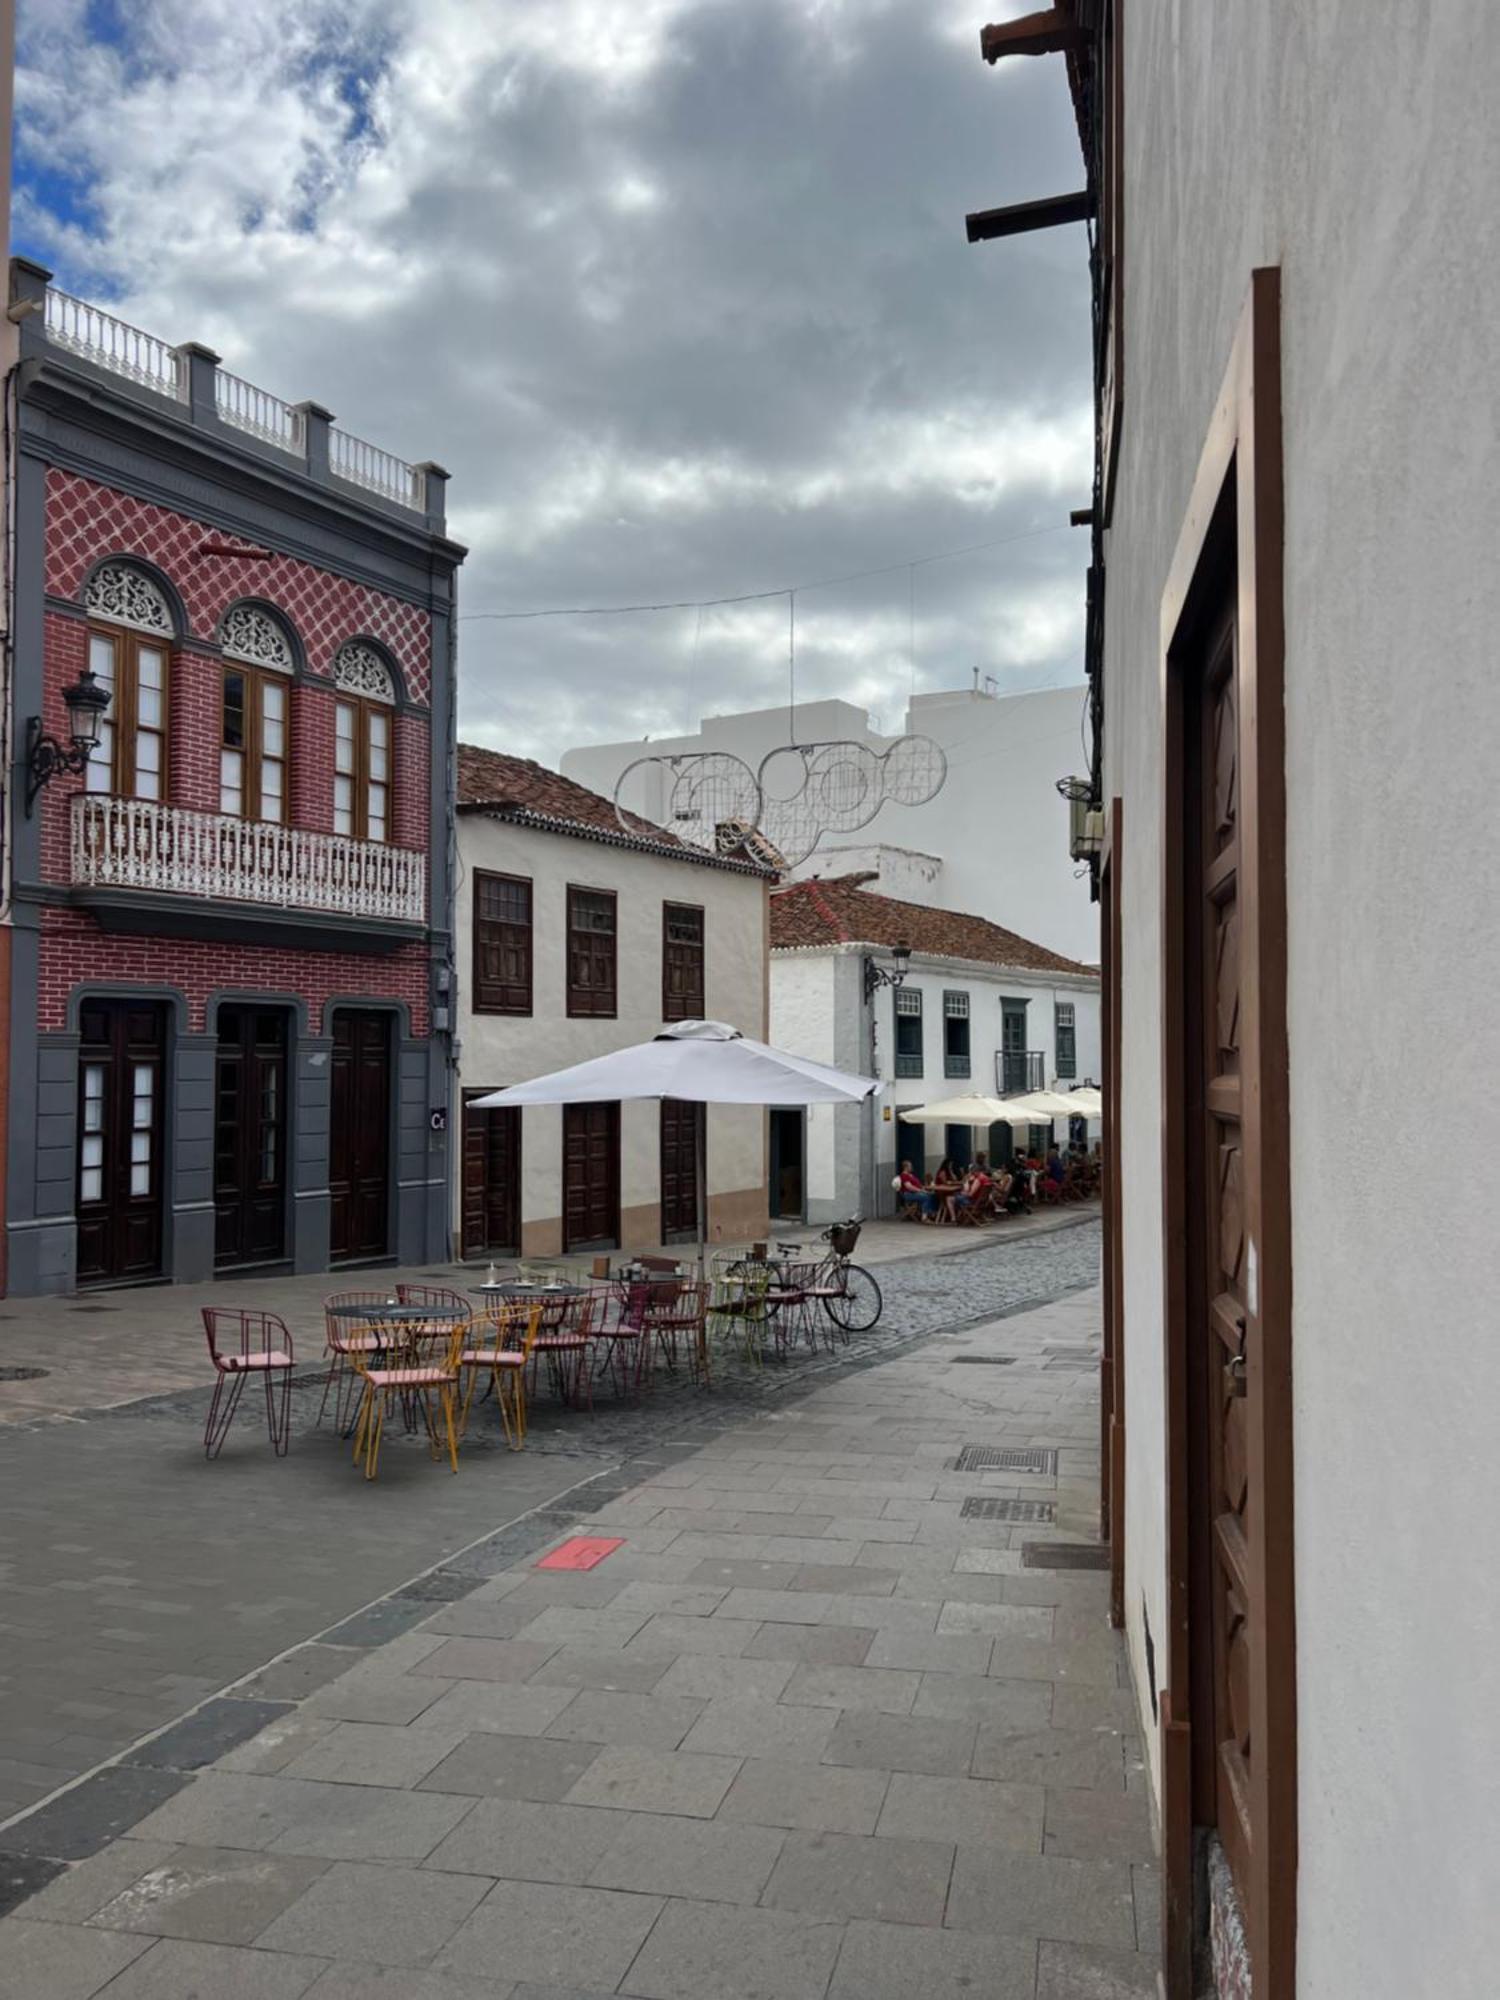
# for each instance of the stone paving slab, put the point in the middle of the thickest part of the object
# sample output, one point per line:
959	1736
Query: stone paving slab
727	1773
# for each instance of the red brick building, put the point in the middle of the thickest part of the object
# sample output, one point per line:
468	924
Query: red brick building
231	964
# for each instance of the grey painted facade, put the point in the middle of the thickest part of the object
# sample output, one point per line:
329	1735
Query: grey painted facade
181	455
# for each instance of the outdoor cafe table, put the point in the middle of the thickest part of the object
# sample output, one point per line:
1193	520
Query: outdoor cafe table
393	1313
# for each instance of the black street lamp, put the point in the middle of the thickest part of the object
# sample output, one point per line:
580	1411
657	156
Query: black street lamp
877	976
85	702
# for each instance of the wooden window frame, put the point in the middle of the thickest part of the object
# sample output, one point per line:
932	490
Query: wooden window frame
364	711
123	713
953	1058
515	1006
252	750
1071	1072
585	1003
907	1064
1236	505
676	1007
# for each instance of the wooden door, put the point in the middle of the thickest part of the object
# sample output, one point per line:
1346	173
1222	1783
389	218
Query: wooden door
490	1212
250	1105
787	1139
1229	1525
591	1176
679	1169
1228	1711
360	1135
121	1169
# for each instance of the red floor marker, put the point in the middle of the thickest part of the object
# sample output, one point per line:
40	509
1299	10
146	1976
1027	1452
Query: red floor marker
582	1552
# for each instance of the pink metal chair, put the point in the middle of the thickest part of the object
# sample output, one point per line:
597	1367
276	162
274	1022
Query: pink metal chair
346	1338
565	1347
240	1345
441	1298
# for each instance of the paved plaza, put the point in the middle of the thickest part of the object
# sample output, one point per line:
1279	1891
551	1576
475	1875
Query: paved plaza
830	1721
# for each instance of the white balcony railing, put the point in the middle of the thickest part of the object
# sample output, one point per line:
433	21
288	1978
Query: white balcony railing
379	471
257	411
172	850
111	343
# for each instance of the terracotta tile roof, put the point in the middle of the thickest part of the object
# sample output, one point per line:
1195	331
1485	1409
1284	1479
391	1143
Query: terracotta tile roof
841	910
527	793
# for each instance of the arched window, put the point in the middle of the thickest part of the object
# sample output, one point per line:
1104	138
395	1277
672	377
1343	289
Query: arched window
130	629
362	741
255	738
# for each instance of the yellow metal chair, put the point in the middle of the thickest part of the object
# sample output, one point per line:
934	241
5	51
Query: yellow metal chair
424	1367
500	1343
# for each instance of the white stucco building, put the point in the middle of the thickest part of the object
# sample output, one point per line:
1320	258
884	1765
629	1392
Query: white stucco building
575	937
980	1010
994	839
1298	321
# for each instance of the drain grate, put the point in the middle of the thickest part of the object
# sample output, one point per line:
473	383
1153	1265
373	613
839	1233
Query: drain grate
1009	1510
93	1309
1064	1555
23	1374
983	1360
1000	1458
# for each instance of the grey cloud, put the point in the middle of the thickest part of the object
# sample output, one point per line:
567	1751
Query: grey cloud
708	329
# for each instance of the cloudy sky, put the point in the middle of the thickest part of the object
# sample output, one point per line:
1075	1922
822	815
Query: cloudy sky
677	290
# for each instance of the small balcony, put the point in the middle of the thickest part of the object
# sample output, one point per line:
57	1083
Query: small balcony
175	852
1020	1069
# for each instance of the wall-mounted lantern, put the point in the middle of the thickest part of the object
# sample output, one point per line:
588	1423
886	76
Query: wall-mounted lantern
86	700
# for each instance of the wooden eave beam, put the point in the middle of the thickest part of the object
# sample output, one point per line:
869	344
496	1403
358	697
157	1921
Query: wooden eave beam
1024	216
1048	33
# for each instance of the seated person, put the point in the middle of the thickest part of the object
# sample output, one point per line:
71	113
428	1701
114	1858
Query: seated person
974	1194
914	1198
945	1187
1056	1171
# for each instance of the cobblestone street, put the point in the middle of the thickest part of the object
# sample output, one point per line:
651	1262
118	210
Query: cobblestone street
130	1607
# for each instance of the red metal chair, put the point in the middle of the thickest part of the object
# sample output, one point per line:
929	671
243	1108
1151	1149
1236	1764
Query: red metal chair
566	1345
241	1345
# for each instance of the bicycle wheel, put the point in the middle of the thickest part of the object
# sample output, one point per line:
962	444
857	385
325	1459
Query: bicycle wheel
857	1306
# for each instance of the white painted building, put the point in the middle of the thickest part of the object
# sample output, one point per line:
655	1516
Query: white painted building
980	1009
994	839
1298	314
575	937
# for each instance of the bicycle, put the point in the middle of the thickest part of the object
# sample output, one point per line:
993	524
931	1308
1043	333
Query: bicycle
845	1290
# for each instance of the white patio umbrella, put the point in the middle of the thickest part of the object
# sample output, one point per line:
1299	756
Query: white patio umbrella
971	1108
697	1062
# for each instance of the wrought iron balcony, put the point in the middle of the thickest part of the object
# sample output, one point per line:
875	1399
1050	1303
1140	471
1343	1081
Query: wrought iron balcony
175	851
1020	1069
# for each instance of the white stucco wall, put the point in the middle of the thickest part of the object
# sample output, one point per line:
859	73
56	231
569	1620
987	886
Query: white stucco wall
499	1049
1354	143
1005	754
818	1009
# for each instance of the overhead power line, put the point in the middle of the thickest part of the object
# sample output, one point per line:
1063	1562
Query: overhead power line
758	596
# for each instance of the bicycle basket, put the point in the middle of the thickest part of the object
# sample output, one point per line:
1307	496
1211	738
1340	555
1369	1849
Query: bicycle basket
844	1238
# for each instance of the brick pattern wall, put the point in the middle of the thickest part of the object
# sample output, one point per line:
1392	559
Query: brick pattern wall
74	950
87	521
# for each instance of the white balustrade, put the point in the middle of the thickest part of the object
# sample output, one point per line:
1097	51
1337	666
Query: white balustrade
172	850
379	471
110	343
259	412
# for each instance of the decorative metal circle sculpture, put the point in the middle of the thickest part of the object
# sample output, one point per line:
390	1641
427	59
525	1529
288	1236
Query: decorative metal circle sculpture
799	792
915	770
711	800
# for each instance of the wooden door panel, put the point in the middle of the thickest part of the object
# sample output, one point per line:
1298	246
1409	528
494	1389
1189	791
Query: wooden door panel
359	1136
250	1103
591	1175
490	1201
121	1166
679	1167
